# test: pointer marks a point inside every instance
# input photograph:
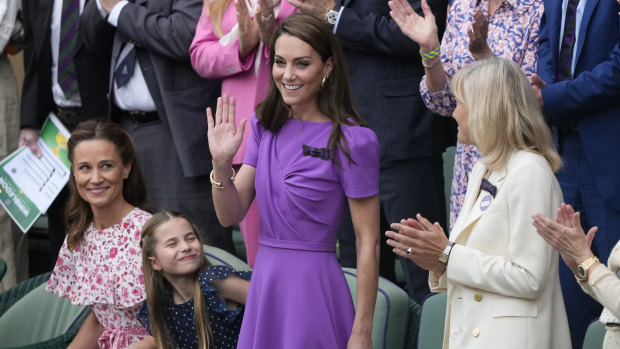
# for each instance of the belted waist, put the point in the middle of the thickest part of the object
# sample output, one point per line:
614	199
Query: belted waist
138	117
297	245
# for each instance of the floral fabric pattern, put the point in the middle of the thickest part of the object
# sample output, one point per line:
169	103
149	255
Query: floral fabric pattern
105	272
512	34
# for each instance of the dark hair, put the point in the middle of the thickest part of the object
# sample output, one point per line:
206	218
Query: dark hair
78	211
334	98
155	285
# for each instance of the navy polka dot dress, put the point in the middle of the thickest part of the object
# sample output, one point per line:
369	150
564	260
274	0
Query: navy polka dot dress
225	323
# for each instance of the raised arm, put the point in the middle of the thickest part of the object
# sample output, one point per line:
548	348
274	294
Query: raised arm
232	198
216	57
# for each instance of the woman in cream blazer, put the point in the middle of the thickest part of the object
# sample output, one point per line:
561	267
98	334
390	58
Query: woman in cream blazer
566	235
500	275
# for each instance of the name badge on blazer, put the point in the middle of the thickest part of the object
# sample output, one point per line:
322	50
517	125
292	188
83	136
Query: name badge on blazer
486	202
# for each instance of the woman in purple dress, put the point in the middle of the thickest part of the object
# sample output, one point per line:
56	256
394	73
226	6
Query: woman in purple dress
308	156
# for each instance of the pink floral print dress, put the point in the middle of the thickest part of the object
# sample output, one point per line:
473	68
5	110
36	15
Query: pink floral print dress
105	272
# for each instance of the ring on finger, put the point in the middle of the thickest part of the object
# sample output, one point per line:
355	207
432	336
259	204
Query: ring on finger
267	18
409	251
476	36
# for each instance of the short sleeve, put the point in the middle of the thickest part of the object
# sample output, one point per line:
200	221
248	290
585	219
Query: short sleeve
216	304
144	318
107	262
359	177
251	155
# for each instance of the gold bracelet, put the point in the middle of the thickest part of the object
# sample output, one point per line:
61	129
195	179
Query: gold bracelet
218	185
432	65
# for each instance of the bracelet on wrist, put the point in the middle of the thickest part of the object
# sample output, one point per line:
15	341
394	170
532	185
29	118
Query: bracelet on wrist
219	185
432	65
433	54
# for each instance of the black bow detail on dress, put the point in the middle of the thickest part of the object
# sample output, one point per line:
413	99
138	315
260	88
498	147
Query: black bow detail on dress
487	186
322	153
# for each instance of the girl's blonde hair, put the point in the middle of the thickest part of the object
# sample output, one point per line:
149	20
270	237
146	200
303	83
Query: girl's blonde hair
155	285
504	114
215	11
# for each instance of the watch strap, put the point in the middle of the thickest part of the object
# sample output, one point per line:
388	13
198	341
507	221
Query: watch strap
445	255
584	267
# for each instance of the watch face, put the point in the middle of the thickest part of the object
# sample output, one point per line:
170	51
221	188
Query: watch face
581	271
443	258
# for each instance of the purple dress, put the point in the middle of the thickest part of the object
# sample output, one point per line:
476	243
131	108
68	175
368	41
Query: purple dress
298	295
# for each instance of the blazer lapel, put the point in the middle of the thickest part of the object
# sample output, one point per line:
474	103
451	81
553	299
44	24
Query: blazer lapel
345	3
469	213
583	27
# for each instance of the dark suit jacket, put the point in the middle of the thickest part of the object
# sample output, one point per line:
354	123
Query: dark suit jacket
92	70
385	70
592	98
162	31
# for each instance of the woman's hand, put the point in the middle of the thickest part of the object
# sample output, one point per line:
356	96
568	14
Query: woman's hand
249	33
224	138
478	37
360	341
422	30
426	241
266	19
566	235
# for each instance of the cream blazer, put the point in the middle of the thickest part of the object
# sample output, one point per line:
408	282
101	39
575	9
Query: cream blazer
502	277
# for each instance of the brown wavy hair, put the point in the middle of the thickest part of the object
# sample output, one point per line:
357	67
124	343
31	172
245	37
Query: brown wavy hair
156	285
78	211
334	98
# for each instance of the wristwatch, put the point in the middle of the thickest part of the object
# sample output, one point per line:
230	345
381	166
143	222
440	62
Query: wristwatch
445	255
331	17
584	268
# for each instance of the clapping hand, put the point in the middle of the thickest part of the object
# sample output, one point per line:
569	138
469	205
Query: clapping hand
224	138
478	37
425	240
422	30
266	18
566	235
249	32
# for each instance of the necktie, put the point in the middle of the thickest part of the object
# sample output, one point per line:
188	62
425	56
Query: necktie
125	69
67	77
568	42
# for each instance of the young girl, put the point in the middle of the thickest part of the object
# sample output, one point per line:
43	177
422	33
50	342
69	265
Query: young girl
190	303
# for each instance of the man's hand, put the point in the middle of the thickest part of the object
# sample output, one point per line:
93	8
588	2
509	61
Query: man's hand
317	8
29	137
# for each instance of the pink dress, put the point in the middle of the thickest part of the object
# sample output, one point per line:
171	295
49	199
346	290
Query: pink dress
105	272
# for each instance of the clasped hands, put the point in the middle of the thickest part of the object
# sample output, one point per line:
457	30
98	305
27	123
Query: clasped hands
425	239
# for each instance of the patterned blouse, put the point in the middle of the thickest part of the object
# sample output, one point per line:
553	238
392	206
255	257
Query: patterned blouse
512	34
104	271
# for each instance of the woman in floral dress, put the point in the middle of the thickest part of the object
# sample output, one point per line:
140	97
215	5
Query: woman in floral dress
100	262
475	30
